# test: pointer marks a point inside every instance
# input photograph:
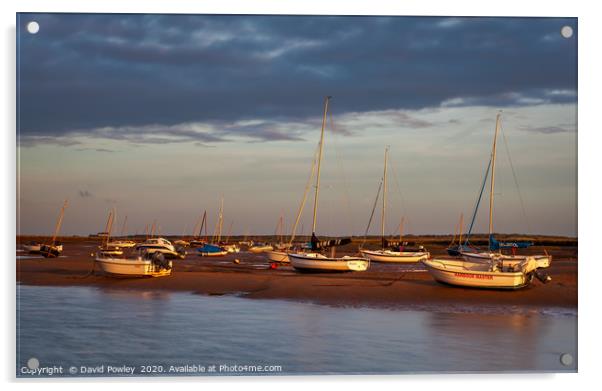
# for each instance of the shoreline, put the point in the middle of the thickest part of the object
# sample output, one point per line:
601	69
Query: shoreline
383	286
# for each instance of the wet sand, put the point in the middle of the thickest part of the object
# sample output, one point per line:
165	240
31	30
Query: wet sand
384	285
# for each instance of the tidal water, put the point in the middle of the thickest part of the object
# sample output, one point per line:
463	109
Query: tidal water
76	331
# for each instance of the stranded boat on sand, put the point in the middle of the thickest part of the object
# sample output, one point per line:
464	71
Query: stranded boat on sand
146	264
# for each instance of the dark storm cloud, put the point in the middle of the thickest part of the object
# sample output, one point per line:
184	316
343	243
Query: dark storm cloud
104	73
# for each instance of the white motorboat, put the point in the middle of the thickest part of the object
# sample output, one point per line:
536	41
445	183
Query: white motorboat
161	245
144	265
316	262
492	274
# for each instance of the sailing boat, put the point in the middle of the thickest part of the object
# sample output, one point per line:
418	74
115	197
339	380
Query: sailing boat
214	249
108	248
489	271
314	261
122	243
53	249
495	247
392	251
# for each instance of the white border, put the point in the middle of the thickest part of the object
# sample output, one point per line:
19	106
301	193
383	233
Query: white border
589	211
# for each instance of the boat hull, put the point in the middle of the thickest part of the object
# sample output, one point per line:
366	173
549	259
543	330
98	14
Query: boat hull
32	248
543	261
131	267
213	254
317	263
476	275
277	256
260	249
122	244
49	251
394	256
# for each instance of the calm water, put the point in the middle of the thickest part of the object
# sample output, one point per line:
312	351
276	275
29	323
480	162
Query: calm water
180	333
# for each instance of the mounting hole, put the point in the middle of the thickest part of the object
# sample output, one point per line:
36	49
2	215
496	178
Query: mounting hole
566	31
33	27
33	363
566	359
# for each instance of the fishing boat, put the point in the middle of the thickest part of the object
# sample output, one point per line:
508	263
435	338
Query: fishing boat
163	246
54	249
146	264
392	252
314	261
491	274
495	247
486	270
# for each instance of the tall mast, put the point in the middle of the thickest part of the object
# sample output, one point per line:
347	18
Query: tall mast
492	188
326	100
59	222
124	225
382	217
221	220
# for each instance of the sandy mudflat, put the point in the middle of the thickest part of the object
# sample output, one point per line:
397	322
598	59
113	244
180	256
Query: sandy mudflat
390	286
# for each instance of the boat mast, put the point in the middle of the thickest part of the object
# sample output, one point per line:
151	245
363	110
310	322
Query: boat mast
59	222
124	225
382	217
460	228
313	229
491	189
221	220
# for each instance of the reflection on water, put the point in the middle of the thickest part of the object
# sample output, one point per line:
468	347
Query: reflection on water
86	326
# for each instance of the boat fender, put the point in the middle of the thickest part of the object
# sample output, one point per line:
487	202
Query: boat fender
237	261
273	265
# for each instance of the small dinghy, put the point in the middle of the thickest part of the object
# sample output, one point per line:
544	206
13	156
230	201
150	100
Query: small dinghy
491	275
147	264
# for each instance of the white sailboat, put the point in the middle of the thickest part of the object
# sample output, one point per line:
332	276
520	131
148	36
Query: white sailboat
486	270
543	261
53	250
122	243
314	261
389	255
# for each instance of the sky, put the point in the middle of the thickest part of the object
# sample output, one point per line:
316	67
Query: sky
160	116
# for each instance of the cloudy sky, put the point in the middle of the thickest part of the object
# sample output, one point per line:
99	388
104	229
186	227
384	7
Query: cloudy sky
161	115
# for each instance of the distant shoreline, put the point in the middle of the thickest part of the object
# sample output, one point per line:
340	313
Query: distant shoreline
476	239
